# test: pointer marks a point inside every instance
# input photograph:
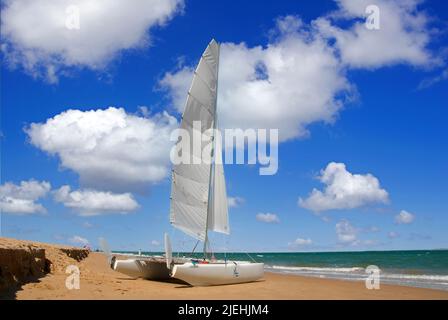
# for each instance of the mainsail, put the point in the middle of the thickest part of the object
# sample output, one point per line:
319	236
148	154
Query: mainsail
198	192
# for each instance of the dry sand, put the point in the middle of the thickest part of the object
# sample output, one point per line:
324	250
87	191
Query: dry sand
98	281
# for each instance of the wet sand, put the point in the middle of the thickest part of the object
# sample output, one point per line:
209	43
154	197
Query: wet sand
98	281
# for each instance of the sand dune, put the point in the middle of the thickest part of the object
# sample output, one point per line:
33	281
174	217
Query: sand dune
98	281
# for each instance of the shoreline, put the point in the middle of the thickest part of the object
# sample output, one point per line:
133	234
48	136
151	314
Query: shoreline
98	281
387	282
412	273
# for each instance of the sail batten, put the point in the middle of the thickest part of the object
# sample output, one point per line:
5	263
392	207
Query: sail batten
209	67
209	85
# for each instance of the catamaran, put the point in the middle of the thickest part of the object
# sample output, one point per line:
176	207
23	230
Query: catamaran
151	267
198	189
198	197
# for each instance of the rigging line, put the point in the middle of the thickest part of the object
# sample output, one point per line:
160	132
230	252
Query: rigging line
250	256
226	244
197	242
210	247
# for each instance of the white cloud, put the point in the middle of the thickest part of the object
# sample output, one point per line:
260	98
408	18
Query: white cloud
372	229
393	235
344	190
35	36
347	235
299	77
78	240
268	217
234	202
367	242
109	149
403	36
345	232
404	217
87	225
293	81
302	242
21	199
428	82
92	202
155	243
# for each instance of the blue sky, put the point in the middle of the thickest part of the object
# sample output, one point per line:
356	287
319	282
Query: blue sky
383	114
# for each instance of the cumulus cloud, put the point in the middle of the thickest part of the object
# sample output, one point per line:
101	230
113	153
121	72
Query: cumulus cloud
293	81
347	235
403	35
90	202
301	242
268	217
404	217
78	240
109	149
234	202
36	37
299	77
344	190
21	199
345	232
155	243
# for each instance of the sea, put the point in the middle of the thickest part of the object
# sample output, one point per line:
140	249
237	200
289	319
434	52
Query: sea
416	268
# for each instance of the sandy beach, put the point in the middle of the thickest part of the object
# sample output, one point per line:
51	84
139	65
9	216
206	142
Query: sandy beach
98	281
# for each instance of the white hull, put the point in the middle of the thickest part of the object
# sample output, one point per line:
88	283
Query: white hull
212	274
151	269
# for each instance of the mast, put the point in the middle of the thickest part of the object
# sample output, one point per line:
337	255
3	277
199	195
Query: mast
212	176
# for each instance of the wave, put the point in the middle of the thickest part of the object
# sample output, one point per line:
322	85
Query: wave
358	273
317	269
416	277
360	270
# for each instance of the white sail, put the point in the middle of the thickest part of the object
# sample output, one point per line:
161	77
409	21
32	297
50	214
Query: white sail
218	219
191	182
198	191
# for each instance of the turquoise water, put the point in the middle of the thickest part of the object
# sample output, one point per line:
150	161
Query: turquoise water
419	268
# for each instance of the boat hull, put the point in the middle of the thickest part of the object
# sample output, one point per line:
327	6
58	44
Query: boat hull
141	268
213	274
